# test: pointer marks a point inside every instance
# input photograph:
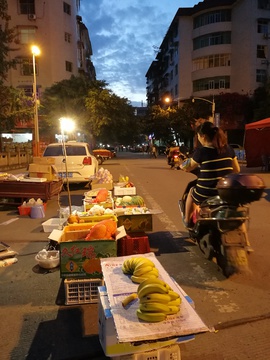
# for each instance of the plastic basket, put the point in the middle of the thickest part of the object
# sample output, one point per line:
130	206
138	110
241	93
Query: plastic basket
166	353
81	291
26	210
137	243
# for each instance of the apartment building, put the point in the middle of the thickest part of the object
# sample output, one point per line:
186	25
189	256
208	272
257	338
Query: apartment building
215	47
55	27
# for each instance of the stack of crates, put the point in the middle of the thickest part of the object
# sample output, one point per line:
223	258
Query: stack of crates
81	290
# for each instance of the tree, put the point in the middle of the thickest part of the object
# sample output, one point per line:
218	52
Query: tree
14	107
96	110
7	36
261	102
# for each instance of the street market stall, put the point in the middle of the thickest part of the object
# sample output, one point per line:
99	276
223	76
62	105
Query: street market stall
17	191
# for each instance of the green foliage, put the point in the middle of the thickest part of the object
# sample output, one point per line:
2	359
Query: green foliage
94	108
261	102
14	106
7	35
163	122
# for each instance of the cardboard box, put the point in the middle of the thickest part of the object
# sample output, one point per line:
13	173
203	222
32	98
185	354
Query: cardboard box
136	222
43	171
44	160
121	191
96	185
108	334
80	258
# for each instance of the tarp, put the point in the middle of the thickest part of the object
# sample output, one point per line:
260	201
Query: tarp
257	142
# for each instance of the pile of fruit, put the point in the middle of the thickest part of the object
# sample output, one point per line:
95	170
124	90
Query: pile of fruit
127	200
140	269
157	299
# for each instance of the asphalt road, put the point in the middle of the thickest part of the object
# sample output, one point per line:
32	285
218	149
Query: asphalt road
35	323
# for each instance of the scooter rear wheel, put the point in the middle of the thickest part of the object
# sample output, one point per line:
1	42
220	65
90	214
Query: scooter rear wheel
206	247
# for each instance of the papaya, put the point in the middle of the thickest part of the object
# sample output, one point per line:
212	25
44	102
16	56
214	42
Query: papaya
98	231
102	196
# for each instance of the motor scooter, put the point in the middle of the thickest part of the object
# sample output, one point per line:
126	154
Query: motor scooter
175	160
219	224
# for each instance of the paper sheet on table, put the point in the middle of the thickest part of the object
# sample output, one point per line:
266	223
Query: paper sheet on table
128	327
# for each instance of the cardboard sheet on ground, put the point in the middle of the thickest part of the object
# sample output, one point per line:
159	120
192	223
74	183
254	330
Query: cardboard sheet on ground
128	327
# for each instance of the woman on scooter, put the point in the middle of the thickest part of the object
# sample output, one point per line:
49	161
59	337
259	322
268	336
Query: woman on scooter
214	159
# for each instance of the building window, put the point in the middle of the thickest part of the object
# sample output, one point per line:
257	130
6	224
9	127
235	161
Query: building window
218	38
216	60
26	68
212	17
262	26
27	6
26	35
222	84
67	8
68	66
67	37
211	83
264	4
261	51
261	75
176	70
176	90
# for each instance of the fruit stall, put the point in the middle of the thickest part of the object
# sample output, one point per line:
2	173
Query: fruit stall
103	254
134	304
41	181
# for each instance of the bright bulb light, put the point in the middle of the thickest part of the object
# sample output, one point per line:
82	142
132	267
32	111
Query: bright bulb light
35	50
67	124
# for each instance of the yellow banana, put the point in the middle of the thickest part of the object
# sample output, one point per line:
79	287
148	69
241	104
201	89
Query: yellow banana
143	262
142	270
150	317
151	281
175	302
154	272
154	307
173	310
173	295
162	298
138	279
129	298
152	288
125	269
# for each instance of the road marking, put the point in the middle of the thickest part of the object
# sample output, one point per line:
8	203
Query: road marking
9	221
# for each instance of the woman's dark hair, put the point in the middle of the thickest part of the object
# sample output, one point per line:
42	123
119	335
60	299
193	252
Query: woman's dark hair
213	134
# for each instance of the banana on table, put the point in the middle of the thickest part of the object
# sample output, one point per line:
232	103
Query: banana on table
157	300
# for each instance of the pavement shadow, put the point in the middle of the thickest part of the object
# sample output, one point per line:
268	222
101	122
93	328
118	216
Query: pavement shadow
165	242
57	339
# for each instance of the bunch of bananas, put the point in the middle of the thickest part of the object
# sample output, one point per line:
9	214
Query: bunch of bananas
140	268
157	300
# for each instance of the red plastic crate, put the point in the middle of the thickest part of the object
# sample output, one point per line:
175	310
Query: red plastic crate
137	243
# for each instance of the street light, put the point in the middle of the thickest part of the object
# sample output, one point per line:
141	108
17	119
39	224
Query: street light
209	101
67	125
35	52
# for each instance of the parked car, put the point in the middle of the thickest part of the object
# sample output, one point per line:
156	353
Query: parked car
105	153
81	164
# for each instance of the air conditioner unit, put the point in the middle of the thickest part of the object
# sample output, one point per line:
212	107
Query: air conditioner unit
32	16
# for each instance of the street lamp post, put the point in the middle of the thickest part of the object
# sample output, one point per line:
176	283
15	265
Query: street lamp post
209	101
67	125
35	52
